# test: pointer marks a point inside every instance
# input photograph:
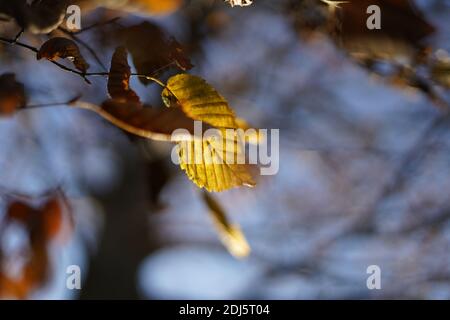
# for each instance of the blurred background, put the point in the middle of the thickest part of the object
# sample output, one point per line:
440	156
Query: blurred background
364	173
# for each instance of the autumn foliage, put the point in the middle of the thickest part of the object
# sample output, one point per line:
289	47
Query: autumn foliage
146	52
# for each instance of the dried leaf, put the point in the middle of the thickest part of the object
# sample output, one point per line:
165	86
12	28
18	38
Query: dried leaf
53	218
41	224
119	78
144	121
59	47
152	51
206	162
47	220
230	234
199	100
12	94
395	39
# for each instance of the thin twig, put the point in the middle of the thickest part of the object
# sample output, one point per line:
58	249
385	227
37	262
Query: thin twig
84	75
19	34
20	44
96	25
85	45
52	104
35	50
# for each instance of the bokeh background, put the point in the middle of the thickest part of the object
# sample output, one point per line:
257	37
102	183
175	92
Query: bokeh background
364	173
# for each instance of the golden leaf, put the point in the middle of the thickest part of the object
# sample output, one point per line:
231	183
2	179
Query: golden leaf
440	73
143	7
156	7
230	234
207	161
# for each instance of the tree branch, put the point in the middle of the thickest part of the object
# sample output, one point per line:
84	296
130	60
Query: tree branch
85	45
84	75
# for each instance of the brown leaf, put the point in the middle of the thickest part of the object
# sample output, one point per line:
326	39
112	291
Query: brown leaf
53	218
119	78
44	222
59	47
12	94
41	224
402	31
145	121
152	51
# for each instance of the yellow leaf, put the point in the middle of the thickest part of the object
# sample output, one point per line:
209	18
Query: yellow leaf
207	161
253	136
200	101
230	234
440	72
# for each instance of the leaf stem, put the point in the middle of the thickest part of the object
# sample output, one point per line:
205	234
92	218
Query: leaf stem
156	80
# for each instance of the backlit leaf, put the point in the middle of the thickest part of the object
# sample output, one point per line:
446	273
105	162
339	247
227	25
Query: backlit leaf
207	162
230	234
